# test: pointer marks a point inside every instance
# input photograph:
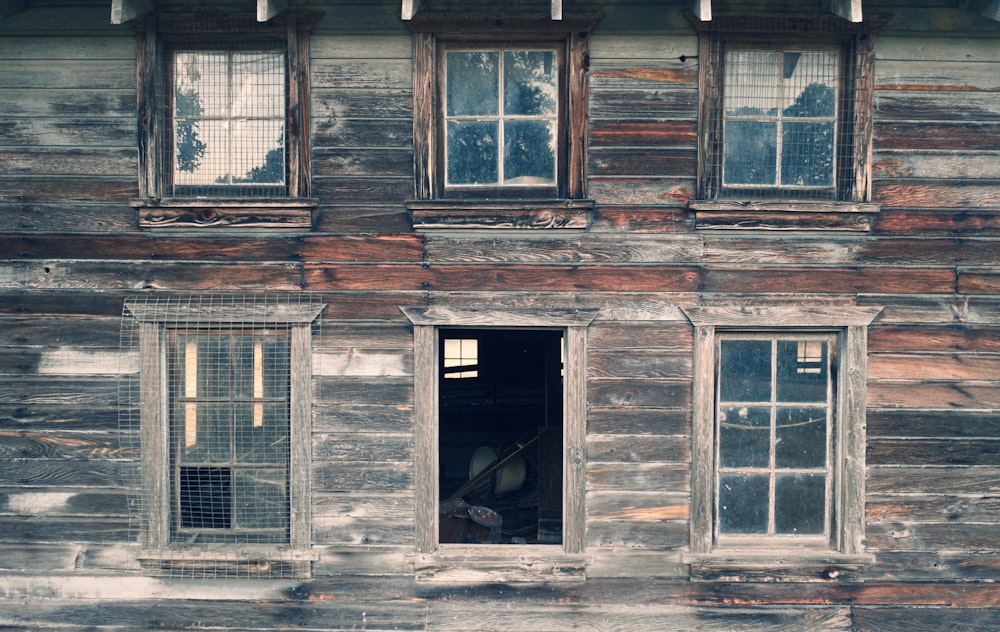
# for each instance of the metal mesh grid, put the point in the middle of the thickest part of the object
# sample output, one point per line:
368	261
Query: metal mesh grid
221	369
783	121
227	121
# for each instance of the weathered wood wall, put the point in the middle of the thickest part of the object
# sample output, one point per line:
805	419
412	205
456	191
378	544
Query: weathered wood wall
71	252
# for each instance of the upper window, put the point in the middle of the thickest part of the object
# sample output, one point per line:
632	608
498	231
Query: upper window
500	124
500	119
222	123
227	114
785	121
222	420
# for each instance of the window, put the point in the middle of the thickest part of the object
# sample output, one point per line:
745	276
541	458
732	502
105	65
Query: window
222	405
531	374
223	105
785	122
500	123
778	455
773	422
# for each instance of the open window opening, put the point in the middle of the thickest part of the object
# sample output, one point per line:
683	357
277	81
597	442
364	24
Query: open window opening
500	436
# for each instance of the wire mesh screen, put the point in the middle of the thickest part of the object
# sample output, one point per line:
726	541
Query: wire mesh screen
209	416
227	114
782	120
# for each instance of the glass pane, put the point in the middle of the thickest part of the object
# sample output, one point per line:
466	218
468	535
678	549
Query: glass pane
261	498
200	84
530	83
751	83
800	504
258	85
745	437
201	152
750	153
258	152
472	152
800	438
802	371
529	153
807	154
745	371
243	366
473	83
261	433
810	82
204	433
743	504
276	367
204	497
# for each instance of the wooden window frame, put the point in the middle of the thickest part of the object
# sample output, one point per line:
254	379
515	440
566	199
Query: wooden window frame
160	554
427	323
156	207
843	558
853	209
435	208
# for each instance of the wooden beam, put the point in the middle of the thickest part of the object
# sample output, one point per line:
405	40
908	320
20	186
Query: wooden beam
992	11
556	11
410	8
267	9
10	7
702	9
123	11
850	10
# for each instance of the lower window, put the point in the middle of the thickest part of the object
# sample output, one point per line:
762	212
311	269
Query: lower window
773	432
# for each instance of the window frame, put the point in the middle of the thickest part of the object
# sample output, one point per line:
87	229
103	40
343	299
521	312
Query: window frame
157	207
851	208
427	325
566	206
843	557
161	554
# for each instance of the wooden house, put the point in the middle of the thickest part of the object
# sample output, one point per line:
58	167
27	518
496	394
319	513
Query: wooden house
477	315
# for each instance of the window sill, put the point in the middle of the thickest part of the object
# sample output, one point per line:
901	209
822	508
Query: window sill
500	214
232	561
777	566
784	215
484	563
197	214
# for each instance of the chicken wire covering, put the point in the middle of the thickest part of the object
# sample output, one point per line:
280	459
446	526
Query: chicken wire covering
227	115
206	409
783	121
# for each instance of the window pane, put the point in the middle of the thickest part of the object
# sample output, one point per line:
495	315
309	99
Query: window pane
275	363
473	83
261	498
205	437
263	438
258	84
802	371
800	504
201	152
800	438
205	496
472	152
529	152
743	504
750	153
745	437
810	83
751	83
258	152
807	154
530	83
745	371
